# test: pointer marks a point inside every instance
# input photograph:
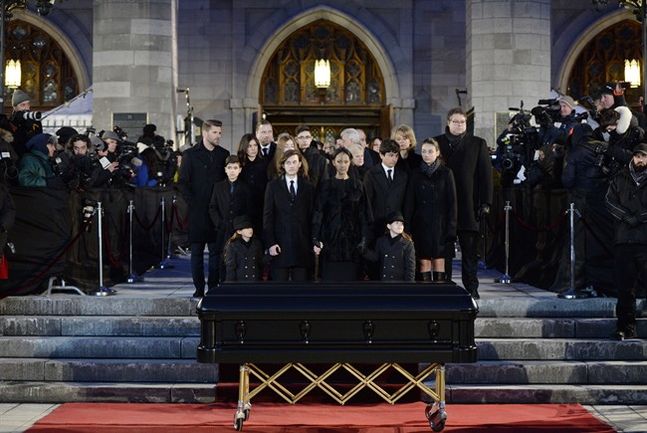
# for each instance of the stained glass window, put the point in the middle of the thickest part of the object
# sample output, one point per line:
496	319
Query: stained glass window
47	74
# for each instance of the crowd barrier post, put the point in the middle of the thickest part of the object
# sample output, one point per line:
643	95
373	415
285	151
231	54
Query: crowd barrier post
132	278
163	264
102	290
169	248
571	223
505	278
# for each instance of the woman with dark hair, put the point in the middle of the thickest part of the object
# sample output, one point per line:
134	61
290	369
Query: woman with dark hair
254	174
341	221
287	219
430	211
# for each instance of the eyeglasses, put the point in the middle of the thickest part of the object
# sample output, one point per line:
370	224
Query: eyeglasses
304	137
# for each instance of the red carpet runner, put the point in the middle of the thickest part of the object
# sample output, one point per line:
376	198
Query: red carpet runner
316	418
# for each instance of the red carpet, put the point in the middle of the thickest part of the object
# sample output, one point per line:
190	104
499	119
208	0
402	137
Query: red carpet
316	418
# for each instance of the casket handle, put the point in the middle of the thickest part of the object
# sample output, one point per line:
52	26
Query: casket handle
369	330
433	327
241	330
304	328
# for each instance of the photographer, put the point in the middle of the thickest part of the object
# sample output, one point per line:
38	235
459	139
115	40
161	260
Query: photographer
35	167
26	123
84	168
8	157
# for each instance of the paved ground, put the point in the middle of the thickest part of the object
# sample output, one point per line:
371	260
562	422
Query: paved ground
15	418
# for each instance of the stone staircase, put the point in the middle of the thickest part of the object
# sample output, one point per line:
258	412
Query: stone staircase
140	346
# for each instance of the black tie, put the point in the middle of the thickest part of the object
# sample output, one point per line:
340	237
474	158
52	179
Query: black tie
265	151
231	188
390	175
293	192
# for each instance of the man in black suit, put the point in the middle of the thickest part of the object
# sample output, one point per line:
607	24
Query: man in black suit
385	190
265	135
202	166
469	159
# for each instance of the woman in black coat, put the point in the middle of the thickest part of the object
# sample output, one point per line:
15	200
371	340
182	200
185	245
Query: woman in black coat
287	219
341	221
405	137
430	209
254	174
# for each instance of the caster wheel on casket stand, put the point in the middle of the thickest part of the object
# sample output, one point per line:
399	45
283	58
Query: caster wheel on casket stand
436	417
238	421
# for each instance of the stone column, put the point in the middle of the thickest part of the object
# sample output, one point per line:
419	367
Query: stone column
508	58
134	62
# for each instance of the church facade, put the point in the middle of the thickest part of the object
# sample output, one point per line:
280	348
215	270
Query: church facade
392	62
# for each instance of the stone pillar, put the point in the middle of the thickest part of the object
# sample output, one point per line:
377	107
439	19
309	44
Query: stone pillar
134	62
508	58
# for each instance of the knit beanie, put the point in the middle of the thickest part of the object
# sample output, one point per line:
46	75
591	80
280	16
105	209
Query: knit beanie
18	97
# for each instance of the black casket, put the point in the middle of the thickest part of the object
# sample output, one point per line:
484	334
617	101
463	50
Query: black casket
362	322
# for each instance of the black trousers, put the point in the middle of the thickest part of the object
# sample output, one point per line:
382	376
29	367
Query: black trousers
469	242
630	262
290	274
197	264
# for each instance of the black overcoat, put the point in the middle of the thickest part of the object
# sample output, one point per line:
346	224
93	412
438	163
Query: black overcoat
469	160
225	206
200	169
397	257
430	211
254	174
384	197
341	219
288	223
243	260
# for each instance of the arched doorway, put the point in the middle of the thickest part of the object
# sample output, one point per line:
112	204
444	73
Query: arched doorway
48	75
355	97
602	59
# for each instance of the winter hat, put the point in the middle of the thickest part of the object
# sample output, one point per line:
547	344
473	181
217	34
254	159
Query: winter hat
39	142
98	143
640	148
242	222
18	97
567	100
141	147
65	133
110	134
394	216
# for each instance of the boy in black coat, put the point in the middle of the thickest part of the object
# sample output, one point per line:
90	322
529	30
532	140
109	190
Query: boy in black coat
243	252
229	199
395	252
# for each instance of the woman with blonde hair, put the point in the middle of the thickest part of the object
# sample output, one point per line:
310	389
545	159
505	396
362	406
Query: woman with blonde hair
405	137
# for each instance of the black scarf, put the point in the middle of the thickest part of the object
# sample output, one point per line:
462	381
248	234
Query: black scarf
454	139
638	177
430	169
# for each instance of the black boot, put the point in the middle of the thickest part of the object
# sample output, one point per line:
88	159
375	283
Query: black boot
439	277
199	293
425	276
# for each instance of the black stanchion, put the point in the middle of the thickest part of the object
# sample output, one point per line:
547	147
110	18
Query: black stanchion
132	277
163	247
505	278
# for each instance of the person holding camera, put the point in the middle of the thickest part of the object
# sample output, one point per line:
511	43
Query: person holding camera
26	122
626	199
106	148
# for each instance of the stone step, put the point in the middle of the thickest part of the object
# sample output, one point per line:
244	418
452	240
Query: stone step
582	394
138	305
561	349
185	347
118	305
107	370
168	326
546	372
103	347
61	392
189	371
153	326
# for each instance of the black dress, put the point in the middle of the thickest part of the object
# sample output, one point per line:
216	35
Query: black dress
254	174
430	211
341	222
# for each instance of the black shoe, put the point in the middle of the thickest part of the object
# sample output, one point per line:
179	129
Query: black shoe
199	293
475	294
626	334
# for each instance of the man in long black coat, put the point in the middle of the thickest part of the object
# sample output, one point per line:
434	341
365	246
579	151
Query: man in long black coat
469	159
202	166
